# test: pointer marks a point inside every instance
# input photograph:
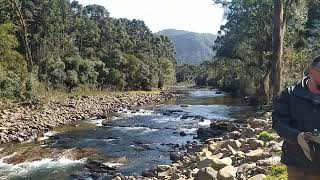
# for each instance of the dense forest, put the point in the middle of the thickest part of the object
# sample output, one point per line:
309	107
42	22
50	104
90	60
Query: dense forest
60	44
244	60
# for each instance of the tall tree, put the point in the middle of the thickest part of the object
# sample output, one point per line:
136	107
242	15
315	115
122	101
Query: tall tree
22	23
281	9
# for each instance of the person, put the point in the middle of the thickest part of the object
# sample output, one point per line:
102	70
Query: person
296	118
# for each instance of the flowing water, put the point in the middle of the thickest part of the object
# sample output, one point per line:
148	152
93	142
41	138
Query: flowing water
133	140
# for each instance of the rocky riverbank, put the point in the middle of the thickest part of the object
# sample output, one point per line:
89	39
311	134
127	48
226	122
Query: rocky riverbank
23	123
231	150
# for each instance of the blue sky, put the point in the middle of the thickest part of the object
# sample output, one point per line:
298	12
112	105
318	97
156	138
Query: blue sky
200	16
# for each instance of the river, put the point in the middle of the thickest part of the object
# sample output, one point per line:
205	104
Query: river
132	141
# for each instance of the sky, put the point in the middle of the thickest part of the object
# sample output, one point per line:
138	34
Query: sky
200	16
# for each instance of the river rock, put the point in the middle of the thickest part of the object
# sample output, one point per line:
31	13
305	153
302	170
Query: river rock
248	133
182	133
162	168
227	173
176	176
272	161
149	173
235	144
255	143
218	164
98	167
206	152
175	156
234	135
258	177
163	171
207	162
258	123
207	173
255	155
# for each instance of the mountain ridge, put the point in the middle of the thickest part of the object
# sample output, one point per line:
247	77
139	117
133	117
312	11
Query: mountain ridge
191	47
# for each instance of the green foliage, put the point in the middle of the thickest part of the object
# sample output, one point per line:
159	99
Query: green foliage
277	173
74	46
12	65
244	46
266	136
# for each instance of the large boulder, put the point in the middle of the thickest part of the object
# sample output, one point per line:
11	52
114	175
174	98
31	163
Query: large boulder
227	173
207	173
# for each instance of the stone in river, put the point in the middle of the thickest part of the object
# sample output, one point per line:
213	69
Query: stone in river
182	133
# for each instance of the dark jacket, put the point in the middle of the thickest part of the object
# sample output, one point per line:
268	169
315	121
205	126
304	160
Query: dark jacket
297	110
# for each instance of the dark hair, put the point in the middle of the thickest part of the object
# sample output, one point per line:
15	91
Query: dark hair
315	61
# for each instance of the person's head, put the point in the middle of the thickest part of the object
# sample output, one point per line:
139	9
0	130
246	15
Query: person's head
314	72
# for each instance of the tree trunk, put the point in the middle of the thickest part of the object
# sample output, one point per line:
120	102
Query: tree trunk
278	37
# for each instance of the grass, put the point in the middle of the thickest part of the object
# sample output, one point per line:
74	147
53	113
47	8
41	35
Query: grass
277	173
266	136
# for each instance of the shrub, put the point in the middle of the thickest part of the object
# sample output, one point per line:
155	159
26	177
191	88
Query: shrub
277	173
265	136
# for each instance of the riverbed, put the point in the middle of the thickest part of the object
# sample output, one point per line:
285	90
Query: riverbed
131	141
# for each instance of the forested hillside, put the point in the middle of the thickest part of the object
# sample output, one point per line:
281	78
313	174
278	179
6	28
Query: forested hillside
243	62
191	48
58	44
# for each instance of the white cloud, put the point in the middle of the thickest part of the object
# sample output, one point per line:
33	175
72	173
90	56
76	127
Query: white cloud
192	15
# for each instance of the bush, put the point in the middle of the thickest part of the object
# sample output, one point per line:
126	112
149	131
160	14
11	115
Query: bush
11	86
277	173
266	136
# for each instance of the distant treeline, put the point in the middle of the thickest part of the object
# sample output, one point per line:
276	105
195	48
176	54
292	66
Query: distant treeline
62	44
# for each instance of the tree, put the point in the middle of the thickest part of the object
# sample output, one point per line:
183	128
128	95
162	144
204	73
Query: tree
22	22
281	10
12	64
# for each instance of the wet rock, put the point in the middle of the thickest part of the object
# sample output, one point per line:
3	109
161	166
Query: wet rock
207	173
223	126
182	133
175	156
184	105
227	173
208	133
149	173
98	167
218	92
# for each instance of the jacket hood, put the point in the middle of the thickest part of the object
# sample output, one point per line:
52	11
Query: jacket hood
301	90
